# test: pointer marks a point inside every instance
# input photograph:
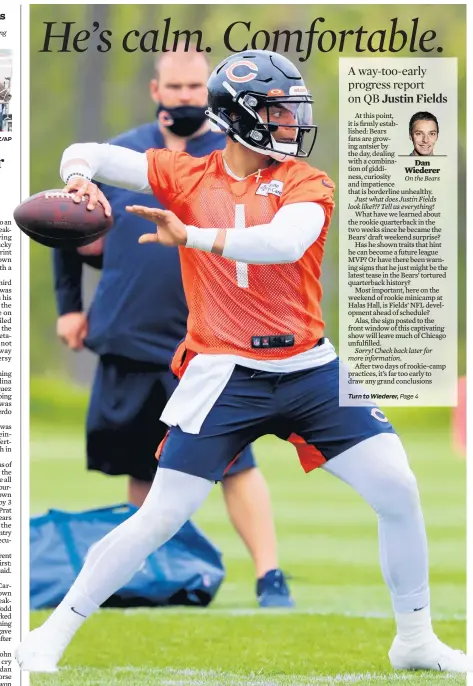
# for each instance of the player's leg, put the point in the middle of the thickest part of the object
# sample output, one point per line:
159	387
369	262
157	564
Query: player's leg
359	445
188	466
249	507
122	435
112	562
378	469
248	503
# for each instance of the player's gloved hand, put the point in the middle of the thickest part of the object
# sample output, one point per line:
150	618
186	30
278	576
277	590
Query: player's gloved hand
83	187
72	328
170	231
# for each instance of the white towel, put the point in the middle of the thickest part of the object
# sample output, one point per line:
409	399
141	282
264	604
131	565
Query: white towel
199	389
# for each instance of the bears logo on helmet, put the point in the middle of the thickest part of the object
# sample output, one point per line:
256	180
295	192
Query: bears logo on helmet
248	76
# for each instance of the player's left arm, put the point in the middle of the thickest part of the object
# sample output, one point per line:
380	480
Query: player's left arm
293	229
285	239
306	208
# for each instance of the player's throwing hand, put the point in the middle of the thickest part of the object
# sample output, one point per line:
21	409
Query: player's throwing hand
82	187
170	231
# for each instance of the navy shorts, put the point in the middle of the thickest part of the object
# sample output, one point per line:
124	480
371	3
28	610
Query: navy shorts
123	427
300	407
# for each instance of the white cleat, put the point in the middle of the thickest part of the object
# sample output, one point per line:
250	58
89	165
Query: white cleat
432	654
35	653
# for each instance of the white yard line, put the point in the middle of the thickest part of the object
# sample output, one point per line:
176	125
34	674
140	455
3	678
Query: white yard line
256	612
203	677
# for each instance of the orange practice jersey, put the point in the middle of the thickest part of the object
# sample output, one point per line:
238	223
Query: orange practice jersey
230	302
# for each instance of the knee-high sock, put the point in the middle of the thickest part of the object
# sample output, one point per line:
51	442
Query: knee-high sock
379	471
172	500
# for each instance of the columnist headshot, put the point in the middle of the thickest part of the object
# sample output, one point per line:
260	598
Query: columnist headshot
423	132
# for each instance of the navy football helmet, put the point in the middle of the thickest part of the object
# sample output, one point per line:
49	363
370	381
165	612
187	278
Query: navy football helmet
254	93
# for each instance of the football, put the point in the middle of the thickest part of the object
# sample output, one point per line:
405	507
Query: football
52	218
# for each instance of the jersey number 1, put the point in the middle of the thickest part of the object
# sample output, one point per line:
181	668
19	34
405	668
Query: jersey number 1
241	267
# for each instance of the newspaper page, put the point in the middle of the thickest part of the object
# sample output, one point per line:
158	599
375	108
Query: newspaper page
237	250
11	439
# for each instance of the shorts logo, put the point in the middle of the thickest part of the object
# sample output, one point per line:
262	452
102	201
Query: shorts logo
273	188
377	414
247	77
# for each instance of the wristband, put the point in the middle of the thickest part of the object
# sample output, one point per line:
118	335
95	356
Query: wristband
75	175
76	168
200	239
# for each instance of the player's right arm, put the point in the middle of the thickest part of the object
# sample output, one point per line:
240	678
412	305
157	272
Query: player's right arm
153	172
111	164
107	163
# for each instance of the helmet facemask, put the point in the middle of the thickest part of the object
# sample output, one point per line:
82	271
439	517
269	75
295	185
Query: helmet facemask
245	124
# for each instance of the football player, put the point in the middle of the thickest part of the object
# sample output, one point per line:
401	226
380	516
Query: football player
135	339
250	223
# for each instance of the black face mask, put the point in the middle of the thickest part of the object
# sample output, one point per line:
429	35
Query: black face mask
182	121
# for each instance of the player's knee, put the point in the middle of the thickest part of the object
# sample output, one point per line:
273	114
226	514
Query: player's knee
155	527
404	494
398	494
392	488
162	523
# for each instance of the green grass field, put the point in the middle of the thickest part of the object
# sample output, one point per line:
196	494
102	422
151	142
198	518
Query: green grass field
342	627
